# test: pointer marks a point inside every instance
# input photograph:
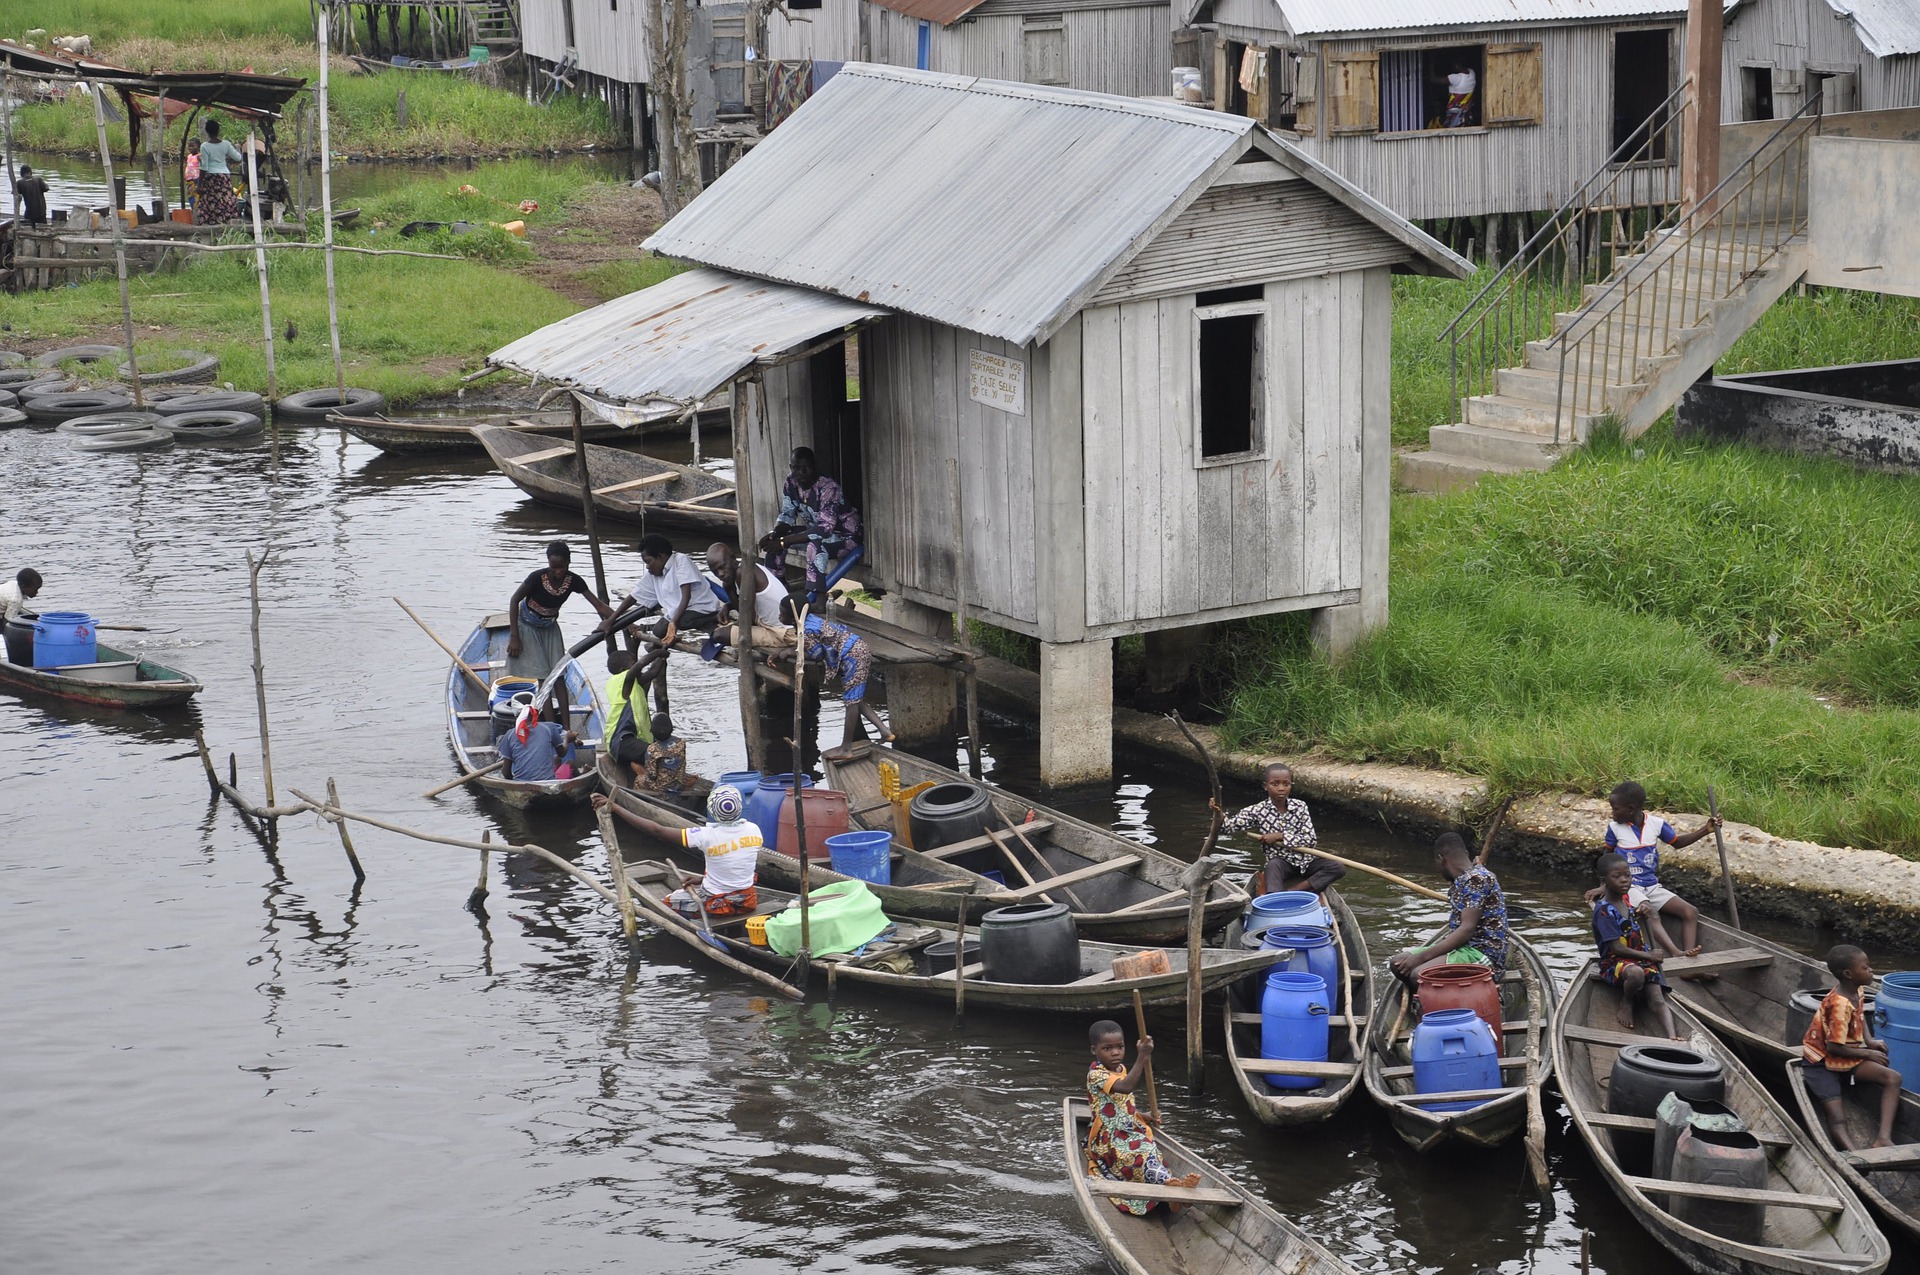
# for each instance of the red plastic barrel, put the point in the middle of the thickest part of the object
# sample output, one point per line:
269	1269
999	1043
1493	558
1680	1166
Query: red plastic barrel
1463	987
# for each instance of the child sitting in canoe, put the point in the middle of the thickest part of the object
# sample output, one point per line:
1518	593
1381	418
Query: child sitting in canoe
1626	958
1120	1145
1635	834
666	765
731	846
1282	825
1837	1050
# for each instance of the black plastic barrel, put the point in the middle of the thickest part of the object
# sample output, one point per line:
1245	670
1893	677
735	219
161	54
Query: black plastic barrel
1721	1157
1802	1007
1676	1116
1643	1075
1030	943
946	813
19	641
940	955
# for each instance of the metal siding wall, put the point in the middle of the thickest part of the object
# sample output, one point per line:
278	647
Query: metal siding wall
1513	169
543	29
916	415
611	44
1790	34
830	33
1128	51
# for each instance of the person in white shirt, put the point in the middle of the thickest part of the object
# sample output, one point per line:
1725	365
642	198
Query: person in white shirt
1461	84
674	587
729	568
17	592
730	843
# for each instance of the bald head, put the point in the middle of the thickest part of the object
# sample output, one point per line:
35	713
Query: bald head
720	558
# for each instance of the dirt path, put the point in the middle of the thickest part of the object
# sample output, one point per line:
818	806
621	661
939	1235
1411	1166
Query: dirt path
605	229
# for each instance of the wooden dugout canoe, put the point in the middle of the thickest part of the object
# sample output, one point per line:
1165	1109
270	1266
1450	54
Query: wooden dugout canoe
1097	991
1339	1076
627	486
1815	1224
1527	995
117	680
1888	1178
470	722
1141	901
1747	1005
423	437
1225	1229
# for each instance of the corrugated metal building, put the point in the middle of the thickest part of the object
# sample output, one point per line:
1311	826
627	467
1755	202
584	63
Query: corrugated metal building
1860	55
1103	46
1152	340
1362	86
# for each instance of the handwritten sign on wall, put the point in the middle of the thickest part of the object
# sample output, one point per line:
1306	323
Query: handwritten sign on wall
997	381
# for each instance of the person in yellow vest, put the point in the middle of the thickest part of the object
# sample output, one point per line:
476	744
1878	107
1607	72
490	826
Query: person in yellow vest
629	730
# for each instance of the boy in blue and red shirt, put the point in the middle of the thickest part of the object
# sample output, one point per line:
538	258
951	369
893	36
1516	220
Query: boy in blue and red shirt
1635	835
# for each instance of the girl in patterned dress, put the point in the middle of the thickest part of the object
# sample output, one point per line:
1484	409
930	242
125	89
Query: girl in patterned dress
1626	957
1120	1144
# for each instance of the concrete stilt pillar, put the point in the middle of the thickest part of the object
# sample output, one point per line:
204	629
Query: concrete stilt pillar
920	698
1076	712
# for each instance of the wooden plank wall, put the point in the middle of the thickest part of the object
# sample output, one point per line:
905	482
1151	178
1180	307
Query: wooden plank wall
1168	537
830	33
915	415
1235	235
1122	48
1793	34
543	30
611	43
789	424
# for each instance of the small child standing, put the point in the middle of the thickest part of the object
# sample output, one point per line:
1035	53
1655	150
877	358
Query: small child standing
1636	835
1837	1050
666	765
1626	959
1282	824
1120	1145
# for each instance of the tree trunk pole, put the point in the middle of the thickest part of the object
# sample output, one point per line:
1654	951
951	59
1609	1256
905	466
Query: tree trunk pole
1196	1054
743	501
617	864
971	682
587	508
799	775
259	671
120	253
326	215
260	268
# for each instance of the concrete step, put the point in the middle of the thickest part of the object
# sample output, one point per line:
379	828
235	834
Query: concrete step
1620	367
1438	472
1505	447
1539	385
1523	415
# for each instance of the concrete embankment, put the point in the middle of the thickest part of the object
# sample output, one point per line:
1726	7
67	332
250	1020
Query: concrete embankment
1864	894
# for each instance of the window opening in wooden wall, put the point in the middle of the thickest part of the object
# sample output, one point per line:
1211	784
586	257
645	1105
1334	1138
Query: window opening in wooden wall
1642	80
1230	381
803	4
1839	90
1756	92
1431	88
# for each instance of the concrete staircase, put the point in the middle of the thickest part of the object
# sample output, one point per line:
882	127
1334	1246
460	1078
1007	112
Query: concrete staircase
1641	337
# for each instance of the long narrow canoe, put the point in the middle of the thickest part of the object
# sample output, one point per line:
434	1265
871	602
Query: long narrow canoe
1527	995
1815	1224
420	437
1224	1229
470	722
1096	991
117	680
627	486
1748	1003
1888	1179
1339	1076
1138	900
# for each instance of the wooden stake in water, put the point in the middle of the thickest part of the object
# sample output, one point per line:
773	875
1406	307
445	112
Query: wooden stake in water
749	560
259	671
799	776
617	866
477	899
260	268
120	260
326	214
588	510
6	140
346	841
971	682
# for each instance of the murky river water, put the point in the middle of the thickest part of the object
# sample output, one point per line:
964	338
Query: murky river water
218	1059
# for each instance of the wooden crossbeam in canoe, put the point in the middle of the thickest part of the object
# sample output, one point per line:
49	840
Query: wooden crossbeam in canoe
1294	1067
693	501
1335	1020
1905	1155
1647	1124
1157	901
1402	1073
958	848
1604	1037
651	480
1737	958
1457	1095
545	453
1155	1191
1116	864
1740	1195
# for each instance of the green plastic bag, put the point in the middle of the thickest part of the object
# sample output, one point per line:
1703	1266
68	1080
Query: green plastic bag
840	916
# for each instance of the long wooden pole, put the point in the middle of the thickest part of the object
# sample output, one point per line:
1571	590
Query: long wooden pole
479	682
1197	888
1382	873
120	260
451	784
259	671
960	957
749	553
800	771
260	268
326	214
1140	1022
1213	781
588	509
346	841
1726	873
1493	829
971	682
617	866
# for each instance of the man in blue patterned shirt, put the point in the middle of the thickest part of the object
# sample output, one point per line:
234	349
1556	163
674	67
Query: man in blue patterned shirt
1282	825
1476	917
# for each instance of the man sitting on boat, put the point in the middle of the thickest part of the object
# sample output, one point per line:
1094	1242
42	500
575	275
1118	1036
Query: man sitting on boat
534	645
1476	917
815	515
1837	1051
729	568
533	748
1120	1145
672	587
731	846
17	592
629	730
1282	824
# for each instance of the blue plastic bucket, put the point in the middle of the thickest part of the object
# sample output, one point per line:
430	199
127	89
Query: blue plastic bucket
505	688
64	637
1293	1024
1896	1020
1453	1051
1286	907
763	808
747	781
1313	951
867	855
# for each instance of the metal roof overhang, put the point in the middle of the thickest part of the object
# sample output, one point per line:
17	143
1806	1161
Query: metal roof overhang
675	343
944	12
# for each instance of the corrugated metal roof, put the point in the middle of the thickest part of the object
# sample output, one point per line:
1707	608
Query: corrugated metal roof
680	340
1888	28
945	12
1339	17
993	207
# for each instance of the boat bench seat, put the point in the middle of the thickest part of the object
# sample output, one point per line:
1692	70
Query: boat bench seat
1738	958
1296	1067
1740	1195
1335	1020
1905	1155
1647	1124
1156	1191
1402	1073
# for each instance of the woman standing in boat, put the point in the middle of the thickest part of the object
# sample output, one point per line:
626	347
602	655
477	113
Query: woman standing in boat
534	645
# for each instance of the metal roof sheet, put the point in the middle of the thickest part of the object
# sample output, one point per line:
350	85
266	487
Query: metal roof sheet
1888	28
989	206
680	340
1337	17
945	12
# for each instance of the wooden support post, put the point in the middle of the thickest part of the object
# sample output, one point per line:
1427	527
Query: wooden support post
1198	878
346	840
326	214
799	774
120	254
259	670
260	268
587	508
960	958
617	865
971	683
6	141
478	898
206	759
749	554
1700	126
156	163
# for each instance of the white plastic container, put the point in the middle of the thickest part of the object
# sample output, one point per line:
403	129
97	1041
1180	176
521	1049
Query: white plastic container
1188	85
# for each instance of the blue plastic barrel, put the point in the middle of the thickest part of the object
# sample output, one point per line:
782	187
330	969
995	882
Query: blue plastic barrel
867	855
747	781
505	688
1293	1024
1896	1020
1286	907
763	808
1313	951
64	637
1453	1050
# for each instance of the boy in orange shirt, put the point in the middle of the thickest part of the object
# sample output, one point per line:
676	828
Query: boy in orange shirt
1836	1050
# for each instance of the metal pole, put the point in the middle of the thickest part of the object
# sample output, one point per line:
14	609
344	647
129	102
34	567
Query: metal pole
120	257
260	268
326	216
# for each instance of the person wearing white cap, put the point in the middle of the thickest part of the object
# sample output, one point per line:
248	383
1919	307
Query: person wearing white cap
731	844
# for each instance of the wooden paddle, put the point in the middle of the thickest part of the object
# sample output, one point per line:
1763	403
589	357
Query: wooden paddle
1382	873
1493	828
1140	1021
478	681
1726	873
